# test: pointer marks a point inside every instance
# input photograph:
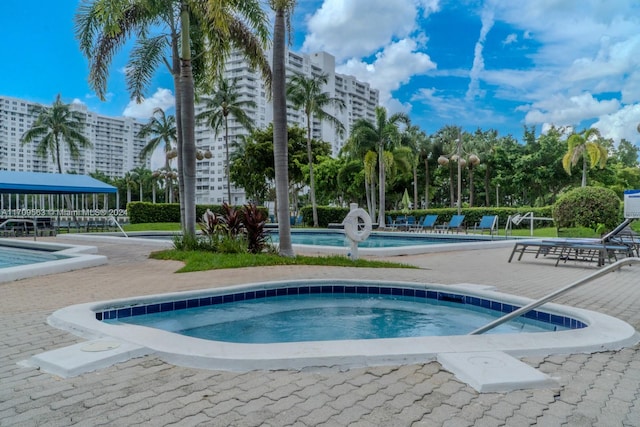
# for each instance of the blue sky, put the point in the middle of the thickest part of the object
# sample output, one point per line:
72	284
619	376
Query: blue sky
496	64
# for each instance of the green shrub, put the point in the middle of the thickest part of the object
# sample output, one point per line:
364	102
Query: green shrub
587	207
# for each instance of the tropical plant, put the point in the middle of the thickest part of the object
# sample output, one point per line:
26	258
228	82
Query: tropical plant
205	31
305	93
283	10
54	126
584	145
224	102
254	220
384	133
163	129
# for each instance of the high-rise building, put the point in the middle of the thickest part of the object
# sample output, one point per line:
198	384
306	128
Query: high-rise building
116	148
359	98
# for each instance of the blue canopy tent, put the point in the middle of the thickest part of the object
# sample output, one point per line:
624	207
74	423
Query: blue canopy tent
41	188
51	183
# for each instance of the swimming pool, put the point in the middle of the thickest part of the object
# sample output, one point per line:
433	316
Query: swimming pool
314	315
379	243
588	331
21	259
13	257
377	239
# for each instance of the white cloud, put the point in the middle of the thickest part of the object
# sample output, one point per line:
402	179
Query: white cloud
357	28
162	98
392	67
510	39
620	124
563	110
478	60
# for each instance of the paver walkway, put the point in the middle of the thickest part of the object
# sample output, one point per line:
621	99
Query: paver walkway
601	389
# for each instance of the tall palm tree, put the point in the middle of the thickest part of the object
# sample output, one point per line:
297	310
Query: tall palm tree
226	102
163	129
584	144
384	133
363	150
283	10
305	93
413	139
205	31
53	127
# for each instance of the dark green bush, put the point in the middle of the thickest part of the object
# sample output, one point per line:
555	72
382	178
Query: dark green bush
588	207
145	212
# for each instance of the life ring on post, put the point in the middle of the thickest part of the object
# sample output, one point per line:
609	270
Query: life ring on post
357	225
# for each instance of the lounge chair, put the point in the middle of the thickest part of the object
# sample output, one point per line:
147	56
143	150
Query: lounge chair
455	223
428	223
487	223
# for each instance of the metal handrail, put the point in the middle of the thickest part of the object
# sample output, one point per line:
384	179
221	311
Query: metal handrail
118	225
613	267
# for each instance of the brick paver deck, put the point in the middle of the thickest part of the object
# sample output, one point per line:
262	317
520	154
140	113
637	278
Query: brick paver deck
600	389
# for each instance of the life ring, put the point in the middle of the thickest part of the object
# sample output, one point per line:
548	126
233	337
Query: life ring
357	225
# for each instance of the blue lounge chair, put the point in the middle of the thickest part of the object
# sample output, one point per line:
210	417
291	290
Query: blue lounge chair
455	223
428	223
487	223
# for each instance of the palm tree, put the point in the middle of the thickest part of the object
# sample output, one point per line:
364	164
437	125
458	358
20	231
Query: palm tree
163	129
363	150
283	10
103	27
225	102
584	144
384	133
306	94
54	126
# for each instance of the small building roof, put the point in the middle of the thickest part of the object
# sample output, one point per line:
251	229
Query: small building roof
51	183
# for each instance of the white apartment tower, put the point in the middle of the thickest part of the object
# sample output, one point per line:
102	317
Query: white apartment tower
116	148
360	102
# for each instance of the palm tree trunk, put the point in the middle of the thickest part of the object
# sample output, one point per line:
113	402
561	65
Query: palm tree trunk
426	183
381	184
280	140
226	166
584	170
175	71
312	184
188	128
415	187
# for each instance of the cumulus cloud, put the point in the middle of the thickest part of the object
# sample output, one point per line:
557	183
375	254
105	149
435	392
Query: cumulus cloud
391	68
620	124
563	110
162	98
357	28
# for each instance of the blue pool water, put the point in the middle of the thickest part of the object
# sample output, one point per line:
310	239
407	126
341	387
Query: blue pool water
337	238
322	317
15	257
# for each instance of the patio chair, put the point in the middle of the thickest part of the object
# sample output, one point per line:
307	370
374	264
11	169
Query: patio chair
455	223
487	223
391	224
428	223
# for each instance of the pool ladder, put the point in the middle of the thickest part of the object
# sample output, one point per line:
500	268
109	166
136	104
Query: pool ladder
519	312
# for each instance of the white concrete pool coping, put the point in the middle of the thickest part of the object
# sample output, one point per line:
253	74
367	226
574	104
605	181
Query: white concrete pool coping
78	257
500	242
603	333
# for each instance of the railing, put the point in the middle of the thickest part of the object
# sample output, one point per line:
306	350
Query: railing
113	218
519	312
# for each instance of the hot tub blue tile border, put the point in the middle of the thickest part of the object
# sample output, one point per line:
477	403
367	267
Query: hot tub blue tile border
447	297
